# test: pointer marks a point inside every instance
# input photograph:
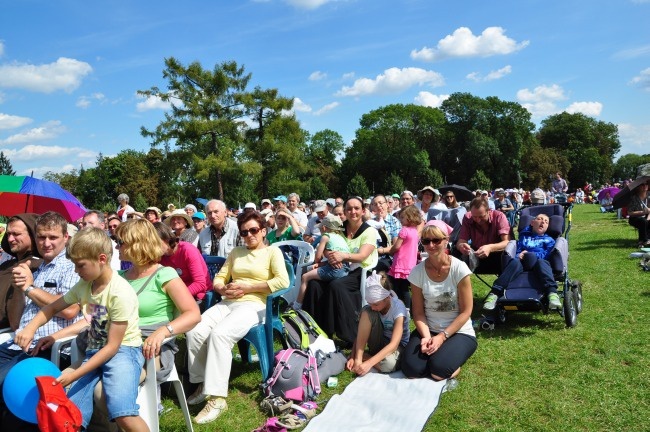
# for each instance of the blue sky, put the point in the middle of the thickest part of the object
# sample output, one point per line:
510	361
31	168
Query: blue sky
70	70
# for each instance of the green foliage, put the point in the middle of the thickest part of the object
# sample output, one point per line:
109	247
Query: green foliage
625	167
393	184
485	134
5	165
480	181
589	145
357	187
402	139
539	165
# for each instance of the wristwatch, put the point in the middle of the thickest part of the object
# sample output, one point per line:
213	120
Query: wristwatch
29	289
170	329
444	332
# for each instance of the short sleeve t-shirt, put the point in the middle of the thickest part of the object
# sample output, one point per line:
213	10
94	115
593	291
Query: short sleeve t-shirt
368	236
116	302
441	298
397	309
155	306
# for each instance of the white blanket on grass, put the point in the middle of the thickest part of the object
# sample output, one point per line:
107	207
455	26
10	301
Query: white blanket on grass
379	402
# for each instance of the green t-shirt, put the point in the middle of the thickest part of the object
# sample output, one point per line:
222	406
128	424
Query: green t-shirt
155	306
368	236
272	237
116	302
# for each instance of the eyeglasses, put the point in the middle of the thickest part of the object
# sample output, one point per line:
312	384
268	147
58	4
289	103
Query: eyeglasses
435	241
449	196
254	231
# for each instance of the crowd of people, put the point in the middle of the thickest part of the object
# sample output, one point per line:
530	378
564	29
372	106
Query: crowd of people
132	280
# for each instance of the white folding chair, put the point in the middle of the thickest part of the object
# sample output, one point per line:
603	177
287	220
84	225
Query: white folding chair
306	254
6	334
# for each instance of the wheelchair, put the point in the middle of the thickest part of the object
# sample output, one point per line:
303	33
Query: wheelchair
526	293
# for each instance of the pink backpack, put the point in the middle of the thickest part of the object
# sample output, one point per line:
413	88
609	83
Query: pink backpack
294	377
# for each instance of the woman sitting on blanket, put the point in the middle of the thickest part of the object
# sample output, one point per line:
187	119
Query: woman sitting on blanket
383	326
441	305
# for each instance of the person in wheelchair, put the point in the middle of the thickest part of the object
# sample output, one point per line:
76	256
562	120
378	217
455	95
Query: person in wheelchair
533	249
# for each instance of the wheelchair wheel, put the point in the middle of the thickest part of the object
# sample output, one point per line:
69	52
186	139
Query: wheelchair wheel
577	293
569	309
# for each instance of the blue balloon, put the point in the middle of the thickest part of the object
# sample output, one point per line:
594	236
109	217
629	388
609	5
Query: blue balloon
20	391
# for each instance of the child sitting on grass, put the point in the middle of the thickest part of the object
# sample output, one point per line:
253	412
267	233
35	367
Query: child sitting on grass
114	352
383	327
332	239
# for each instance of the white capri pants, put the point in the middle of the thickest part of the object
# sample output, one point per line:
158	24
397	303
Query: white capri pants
210	343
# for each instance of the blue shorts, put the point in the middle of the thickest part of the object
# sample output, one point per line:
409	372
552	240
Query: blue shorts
120	378
328	273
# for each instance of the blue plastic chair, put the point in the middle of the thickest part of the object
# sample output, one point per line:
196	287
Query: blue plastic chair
214	264
261	336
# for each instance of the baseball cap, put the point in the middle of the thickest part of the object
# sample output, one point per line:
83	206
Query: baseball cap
198	215
266	201
250	205
319	206
280	198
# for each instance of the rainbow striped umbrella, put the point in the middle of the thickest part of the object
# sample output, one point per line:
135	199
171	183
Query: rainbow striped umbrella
24	194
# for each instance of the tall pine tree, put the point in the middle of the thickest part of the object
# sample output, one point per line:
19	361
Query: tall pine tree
5	165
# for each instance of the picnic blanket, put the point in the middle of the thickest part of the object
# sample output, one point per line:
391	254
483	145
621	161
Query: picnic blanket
380	402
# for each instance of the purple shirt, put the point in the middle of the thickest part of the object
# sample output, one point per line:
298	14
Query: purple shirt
497	225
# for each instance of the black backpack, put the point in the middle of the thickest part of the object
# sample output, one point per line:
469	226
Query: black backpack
300	329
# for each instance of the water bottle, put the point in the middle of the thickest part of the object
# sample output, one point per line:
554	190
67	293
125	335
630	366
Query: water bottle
452	384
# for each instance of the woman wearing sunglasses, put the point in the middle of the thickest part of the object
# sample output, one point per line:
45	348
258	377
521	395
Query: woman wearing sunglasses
441	306
250	273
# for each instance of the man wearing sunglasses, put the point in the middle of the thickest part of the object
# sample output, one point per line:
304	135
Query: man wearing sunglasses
488	231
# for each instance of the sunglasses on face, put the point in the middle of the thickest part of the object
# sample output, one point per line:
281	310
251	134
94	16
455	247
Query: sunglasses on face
449	196
435	241
253	231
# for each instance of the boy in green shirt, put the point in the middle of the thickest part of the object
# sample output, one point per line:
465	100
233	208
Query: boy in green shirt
114	352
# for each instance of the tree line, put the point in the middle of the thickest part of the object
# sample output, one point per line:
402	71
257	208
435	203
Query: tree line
220	139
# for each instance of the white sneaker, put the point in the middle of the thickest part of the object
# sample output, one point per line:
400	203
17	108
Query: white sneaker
490	301
212	409
197	397
554	301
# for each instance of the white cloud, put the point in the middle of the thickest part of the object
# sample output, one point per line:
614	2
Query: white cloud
427	99
85	101
543	102
64	74
632	53
317	76
592	109
462	43
348	76
48	130
40	170
10	121
300	106
393	80
151	103
634	138
642	80
39	152
326	108
307	4
2	48
493	75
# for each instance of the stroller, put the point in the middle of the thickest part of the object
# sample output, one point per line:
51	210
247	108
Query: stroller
526	293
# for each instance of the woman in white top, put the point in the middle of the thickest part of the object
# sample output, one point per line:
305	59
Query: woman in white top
441	306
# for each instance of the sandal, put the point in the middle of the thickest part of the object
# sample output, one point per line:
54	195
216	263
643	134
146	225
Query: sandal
271	425
291	421
275	405
308	409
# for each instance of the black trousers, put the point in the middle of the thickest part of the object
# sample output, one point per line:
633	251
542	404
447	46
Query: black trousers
336	305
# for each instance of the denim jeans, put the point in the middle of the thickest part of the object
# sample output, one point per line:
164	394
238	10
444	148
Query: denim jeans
120	377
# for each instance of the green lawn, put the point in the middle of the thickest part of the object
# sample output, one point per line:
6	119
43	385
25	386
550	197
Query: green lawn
532	373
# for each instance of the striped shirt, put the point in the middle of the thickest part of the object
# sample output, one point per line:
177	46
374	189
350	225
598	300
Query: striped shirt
56	278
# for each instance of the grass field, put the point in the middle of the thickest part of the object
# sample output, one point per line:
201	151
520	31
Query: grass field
532	373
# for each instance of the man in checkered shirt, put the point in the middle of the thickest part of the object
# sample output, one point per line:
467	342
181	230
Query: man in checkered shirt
54	277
